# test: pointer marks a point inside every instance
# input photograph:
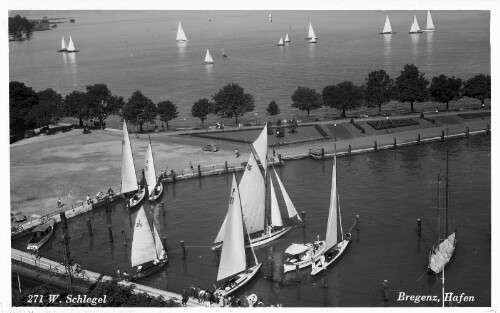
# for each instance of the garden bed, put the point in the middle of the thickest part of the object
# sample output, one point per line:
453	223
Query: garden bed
392	123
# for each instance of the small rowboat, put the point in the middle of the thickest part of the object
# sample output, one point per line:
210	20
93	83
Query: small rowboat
40	235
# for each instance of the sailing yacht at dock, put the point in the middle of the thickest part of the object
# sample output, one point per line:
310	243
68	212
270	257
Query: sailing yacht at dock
129	178
155	187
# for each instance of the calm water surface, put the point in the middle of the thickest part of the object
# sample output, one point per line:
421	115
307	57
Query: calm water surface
390	190
136	50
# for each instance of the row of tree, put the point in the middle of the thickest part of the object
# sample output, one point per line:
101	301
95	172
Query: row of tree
19	24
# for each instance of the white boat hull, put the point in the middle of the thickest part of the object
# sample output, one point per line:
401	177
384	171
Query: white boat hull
34	246
340	249
157	196
427	30
134	203
262	240
238	281
307	259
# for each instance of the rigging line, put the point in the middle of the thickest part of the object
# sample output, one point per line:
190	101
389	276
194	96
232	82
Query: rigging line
422	276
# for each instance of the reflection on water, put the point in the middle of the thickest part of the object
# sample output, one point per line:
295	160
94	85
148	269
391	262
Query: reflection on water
414	44
181	49
312	49
430	42
70	67
209	68
387	45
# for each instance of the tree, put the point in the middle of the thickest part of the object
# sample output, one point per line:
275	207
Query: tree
445	89
18	24
343	96
201	109
48	109
306	99
273	109
232	101
167	111
74	105
101	102
139	109
411	85
21	100
478	87
378	88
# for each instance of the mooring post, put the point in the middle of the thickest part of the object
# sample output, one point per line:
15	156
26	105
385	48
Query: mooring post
280	159
163	208
419	227
164	240
297	271
349	150
183	249
467	132
172	173
63	219
217	256
386	292
89	227
395	144
442	135
488	129
108	208
325	280
418	139
270	264
357	222
124	238
199	170
110	233
322	153
227	169
303	218
375	145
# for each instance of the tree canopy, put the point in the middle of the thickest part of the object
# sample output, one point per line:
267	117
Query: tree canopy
74	105
273	109
201	109
101	103
445	89
232	101
21	100
167	111
378	88
411	85
48	109
139	109
478	87
306	99
18	24
343	96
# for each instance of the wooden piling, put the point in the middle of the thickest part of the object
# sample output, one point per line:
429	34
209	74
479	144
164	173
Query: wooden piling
270	264
89	227
322	153
297	272
164	240
183	249
419	227
418	139
488	129
172	173
63	219
199	170
217	256
124	238
163	208
226	168
325	279
442	135
303	218
108	207
110	233
395	144
467	132
280	159
375	145
357	222
349	151
386	292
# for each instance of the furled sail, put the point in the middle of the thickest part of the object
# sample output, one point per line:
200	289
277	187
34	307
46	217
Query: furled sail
275	209
331	229
129	178
430	24
71	46
233	258
414	26
252	191
181	36
288	202
387	25
149	170
143	244
63	44
208	58
260	146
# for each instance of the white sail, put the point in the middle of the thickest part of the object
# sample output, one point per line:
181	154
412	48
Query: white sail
280	43
387	25
63	44
287	39
71	46
143	244
430	24
270	15
275	209
181	36
288	202
331	229
149	170
311	33
208	58
414	26
260	146
252	191
160	250
129	179
220	235
233	258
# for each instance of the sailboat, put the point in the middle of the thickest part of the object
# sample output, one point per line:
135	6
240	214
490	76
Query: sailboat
430	25
233	272
148	254
415	29
64	48
224	53
270	17
208	58
71	46
253	188
129	178
155	187
280	43
311	36
287	39
442	254
387	26
334	248
181	36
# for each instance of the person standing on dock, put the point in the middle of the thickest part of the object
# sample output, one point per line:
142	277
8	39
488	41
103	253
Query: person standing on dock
118	274
237	153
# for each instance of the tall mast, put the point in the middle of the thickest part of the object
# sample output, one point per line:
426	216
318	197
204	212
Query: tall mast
447	201
439	214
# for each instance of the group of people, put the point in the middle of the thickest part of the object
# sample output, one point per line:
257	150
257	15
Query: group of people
212	297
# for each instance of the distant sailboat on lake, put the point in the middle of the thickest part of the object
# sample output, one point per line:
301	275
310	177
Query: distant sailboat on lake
311	35
270	18
208	58
387	26
224	53
64	47
430	25
287	39
415	28
280	43
71	46
181	36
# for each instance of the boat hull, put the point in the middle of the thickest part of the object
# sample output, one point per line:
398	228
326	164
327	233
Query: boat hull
418	32
135	203
157	196
307	261
34	246
148	272
388	33
62	50
261	240
72	51
341	247
427	30
242	278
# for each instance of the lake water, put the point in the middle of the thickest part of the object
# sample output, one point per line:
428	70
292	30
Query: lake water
390	190
136	50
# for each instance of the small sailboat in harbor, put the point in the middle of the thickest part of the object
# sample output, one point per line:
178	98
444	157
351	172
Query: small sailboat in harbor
442	253
429	27
224	53
415	28
233	271
71	46
287	39
41	234
64	47
208	58
129	177
148	253
280	42
387	27
155	187
181	36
